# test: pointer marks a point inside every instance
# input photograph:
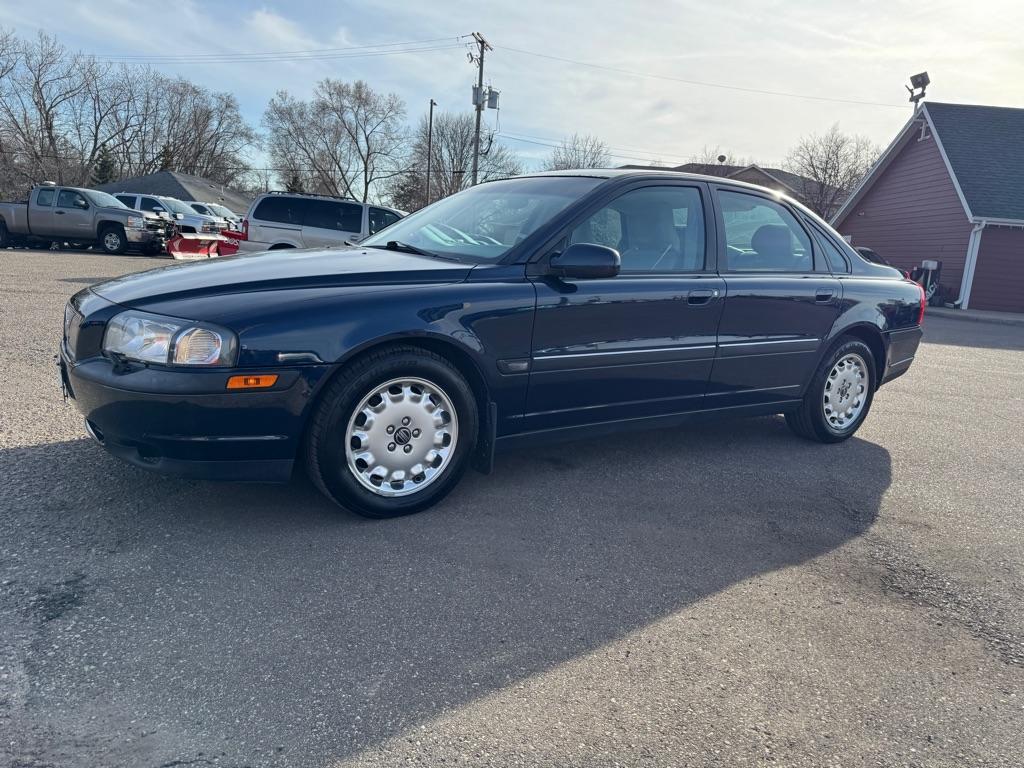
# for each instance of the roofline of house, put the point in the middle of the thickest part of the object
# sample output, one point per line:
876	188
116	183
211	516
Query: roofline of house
766	173
889	155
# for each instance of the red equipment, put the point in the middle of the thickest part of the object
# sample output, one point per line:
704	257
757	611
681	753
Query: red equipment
192	245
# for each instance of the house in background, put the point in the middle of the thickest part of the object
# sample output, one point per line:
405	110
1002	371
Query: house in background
950	187
818	197
183	187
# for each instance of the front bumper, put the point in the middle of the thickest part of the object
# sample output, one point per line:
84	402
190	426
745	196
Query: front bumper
143	236
186	423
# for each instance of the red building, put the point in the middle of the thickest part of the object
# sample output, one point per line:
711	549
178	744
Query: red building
950	187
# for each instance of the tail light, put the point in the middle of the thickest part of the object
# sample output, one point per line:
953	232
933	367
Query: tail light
924	303
245	227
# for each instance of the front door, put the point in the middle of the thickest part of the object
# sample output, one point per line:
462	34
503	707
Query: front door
330	222
71	217
780	302
639	344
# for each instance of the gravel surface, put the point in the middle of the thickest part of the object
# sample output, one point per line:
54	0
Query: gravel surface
719	596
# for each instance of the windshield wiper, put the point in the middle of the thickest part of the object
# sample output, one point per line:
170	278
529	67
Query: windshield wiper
397	245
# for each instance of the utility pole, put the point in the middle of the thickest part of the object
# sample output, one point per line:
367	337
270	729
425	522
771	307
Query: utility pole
430	144
478	98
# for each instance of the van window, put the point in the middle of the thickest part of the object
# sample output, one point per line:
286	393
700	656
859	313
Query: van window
280	210
44	197
380	218
328	214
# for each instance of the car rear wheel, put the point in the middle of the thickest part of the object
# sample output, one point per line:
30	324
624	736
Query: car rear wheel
4	237
839	396
113	239
393	433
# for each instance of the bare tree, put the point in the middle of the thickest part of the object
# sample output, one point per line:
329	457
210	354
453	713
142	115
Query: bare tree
579	151
347	140
451	161
834	162
63	113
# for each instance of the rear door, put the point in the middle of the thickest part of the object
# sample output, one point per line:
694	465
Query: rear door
277	219
72	216
40	211
639	344
330	222
780	302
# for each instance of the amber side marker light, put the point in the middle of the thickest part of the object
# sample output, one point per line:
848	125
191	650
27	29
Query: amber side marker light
252	382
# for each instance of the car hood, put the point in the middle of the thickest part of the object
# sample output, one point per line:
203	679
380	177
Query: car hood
279	270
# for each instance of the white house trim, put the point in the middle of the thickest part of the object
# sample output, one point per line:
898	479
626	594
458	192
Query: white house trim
970	262
920	119
949	168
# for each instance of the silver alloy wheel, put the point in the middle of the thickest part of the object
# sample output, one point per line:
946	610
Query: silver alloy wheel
112	241
846	390
401	437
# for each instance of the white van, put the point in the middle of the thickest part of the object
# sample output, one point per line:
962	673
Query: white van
291	220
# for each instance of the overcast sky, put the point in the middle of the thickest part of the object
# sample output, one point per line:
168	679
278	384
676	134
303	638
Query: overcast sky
854	51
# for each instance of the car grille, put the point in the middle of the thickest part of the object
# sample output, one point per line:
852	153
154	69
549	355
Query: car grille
72	324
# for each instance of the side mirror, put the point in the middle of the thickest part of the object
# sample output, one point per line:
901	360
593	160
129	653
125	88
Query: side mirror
585	261
81	204
179	216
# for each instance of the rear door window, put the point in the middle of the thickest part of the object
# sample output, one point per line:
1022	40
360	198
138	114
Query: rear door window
836	259
44	197
762	235
128	200
280	210
329	214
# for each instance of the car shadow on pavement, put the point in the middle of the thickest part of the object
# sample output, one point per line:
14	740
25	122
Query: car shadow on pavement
261	624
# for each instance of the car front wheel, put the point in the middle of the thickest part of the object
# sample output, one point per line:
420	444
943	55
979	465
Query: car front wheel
113	240
393	433
839	396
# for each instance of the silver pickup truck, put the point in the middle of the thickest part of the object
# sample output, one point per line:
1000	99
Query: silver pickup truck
86	216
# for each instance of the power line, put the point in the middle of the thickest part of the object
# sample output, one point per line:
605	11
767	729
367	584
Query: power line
611	149
704	84
257	58
304	51
650	158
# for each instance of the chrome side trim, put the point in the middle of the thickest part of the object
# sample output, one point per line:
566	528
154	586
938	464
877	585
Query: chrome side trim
298	357
623	352
766	341
901	362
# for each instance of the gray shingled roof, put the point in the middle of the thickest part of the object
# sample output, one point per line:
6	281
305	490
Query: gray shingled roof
985	147
183	187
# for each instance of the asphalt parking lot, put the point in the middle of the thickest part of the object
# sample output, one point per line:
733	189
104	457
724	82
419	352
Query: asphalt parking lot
723	595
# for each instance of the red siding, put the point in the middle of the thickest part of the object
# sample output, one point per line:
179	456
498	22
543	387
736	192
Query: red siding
912	212
999	272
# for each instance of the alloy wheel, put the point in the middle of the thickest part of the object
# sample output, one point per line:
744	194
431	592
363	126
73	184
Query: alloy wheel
401	437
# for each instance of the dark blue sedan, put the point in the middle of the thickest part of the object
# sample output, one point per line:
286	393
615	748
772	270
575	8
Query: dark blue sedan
543	307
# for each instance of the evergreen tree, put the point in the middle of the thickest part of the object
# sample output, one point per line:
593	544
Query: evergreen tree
105	170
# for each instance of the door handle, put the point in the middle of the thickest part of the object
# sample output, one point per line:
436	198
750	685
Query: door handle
824	295
58	213
699	298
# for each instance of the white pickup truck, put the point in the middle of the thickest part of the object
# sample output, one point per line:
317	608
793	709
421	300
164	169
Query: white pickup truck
71	214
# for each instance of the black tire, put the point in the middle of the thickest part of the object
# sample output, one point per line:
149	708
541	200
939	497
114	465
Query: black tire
5	239
113	239
327	459
152	248
281	246
809	420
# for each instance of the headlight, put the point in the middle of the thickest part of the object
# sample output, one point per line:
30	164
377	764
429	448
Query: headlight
136	222
169	341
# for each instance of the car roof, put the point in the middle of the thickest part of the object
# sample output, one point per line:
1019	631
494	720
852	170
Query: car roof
635	173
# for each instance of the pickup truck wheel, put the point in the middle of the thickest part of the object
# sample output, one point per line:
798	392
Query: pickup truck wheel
839	396
393	433
113	239
5	239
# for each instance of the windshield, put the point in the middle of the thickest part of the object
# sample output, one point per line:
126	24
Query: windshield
102	199
176	206
220	210
483	223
